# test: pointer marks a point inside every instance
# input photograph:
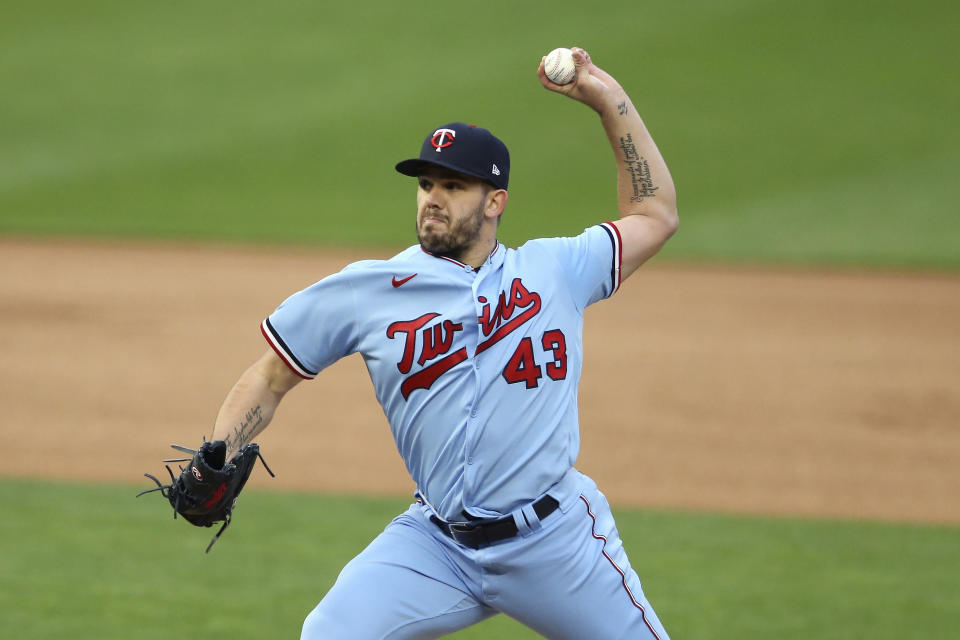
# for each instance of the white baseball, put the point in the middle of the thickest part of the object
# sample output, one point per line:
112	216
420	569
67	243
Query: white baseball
559	66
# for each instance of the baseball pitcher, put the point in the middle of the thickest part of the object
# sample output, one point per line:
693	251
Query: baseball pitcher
475	353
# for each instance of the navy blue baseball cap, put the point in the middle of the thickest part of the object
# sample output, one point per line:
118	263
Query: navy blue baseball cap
466	149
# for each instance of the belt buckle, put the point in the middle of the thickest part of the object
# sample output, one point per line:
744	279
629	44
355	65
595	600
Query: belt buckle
465	530
466	533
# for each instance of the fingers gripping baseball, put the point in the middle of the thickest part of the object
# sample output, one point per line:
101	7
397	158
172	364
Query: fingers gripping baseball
591	85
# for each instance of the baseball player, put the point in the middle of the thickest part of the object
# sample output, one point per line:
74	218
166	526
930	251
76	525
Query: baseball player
475	354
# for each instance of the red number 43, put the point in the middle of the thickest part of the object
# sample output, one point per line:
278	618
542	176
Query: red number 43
522	365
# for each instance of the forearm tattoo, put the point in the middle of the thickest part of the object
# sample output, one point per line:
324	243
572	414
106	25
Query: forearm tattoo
243	432
622	108
638	170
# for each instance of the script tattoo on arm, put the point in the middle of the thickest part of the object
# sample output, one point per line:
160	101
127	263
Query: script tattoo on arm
244	431
638	170
622	108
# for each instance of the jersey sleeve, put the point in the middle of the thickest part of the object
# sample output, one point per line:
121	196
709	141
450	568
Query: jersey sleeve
590	262
314	327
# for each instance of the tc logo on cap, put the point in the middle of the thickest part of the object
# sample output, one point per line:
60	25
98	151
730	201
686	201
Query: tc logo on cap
442	138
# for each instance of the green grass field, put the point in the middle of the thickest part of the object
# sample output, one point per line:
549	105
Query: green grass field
820	132
89	562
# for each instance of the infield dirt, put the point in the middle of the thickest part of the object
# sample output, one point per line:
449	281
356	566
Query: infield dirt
726	389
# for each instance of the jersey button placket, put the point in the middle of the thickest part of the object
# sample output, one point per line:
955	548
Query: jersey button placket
474	408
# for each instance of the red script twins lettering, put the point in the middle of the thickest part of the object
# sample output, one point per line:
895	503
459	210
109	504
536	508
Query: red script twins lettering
513	309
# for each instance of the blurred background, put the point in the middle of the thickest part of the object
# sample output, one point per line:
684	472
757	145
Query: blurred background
814	147
821	132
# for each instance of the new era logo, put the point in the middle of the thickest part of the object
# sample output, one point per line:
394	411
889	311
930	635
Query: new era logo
496	171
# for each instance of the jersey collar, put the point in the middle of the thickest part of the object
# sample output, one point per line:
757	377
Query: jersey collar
496	254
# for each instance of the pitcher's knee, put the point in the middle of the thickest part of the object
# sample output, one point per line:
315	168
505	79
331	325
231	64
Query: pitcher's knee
321	623
328	621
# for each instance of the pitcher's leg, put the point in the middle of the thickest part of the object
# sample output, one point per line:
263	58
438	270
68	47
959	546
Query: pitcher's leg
573	580
403	585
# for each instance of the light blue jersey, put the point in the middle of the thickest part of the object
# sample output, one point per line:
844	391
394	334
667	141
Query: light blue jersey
477	373
457	355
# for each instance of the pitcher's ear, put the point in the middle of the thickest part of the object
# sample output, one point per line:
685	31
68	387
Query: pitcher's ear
496	202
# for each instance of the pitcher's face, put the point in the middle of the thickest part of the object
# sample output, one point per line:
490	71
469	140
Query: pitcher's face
450	212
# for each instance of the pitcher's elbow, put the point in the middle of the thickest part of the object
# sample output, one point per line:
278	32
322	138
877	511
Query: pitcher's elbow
670	222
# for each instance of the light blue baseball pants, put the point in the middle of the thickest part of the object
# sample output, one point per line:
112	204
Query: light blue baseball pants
567	577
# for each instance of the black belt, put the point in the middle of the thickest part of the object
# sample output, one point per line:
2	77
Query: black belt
484	532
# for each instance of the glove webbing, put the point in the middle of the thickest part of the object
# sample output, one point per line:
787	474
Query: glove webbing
164	489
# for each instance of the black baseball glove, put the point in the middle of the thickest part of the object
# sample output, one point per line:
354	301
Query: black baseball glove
206	490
